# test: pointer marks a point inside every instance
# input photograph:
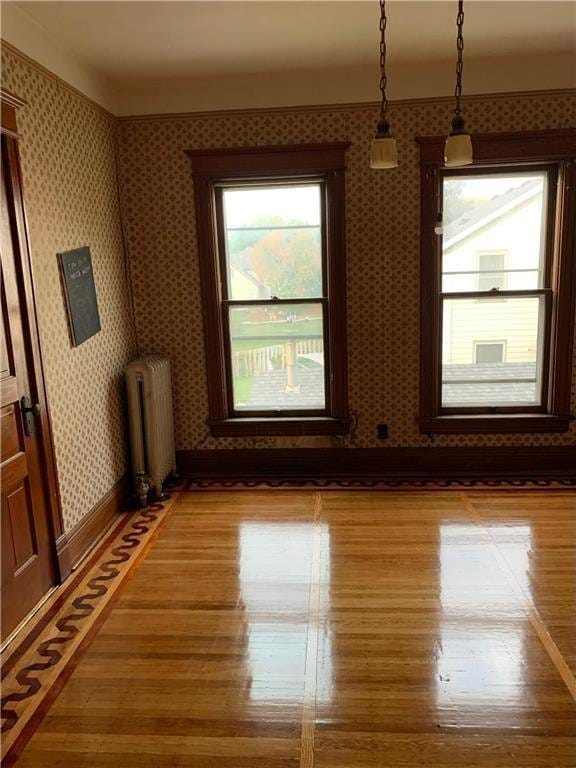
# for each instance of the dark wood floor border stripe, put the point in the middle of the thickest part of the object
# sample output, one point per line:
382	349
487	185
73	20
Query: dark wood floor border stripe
37	626
16	749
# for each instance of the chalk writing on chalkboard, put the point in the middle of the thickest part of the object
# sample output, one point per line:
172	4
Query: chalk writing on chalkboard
80	292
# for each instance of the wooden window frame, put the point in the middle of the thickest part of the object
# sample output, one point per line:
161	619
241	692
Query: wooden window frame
522	151
214	169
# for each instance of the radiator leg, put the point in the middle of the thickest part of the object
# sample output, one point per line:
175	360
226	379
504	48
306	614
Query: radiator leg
141	489
157	492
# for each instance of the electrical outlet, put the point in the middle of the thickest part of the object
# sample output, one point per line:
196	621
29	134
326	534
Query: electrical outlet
382	431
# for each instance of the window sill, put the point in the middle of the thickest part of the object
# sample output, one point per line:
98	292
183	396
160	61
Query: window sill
500	423
270	427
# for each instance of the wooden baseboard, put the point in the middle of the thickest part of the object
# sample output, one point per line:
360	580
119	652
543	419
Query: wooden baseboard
74	545
381	464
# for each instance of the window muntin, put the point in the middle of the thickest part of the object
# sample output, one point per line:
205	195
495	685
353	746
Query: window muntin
274	297
495	285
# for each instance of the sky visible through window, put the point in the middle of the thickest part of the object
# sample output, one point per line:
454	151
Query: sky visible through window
295	203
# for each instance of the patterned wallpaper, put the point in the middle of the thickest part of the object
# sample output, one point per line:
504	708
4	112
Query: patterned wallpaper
383	211
69	168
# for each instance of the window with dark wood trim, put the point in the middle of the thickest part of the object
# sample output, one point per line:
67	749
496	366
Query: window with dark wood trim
271	246
529	391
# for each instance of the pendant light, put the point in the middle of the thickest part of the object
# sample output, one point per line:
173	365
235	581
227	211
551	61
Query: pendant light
458	149
383	153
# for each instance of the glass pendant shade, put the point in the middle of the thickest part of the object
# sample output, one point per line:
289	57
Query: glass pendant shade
383	153
458	150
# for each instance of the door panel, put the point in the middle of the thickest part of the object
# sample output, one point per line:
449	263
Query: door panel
27	566
11	432
22	529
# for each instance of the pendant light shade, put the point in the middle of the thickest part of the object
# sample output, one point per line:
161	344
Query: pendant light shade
383	152
458	148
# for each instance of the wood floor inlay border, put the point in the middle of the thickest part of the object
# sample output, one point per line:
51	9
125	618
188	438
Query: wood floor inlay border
27	683
237	484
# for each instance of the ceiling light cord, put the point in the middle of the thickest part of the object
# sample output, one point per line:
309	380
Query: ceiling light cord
458	149
383	125
460	60
383	152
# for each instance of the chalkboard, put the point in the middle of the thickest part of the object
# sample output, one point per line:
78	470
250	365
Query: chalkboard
80	292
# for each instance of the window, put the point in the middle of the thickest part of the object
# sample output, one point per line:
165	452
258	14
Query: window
271	250
504	210
276	302
488	352
492	272
497	289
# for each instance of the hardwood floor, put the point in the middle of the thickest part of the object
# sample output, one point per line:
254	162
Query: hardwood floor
341	629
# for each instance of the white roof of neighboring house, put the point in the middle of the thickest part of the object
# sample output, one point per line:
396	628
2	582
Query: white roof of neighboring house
487	212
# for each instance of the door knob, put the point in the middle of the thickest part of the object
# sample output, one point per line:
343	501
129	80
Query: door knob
29	411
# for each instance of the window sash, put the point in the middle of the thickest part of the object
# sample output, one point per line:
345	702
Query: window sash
543	353
219	189
284	412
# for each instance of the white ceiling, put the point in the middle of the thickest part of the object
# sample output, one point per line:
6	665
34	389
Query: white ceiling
136	48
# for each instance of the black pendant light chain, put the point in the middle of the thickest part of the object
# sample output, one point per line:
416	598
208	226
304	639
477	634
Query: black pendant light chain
383	126
383	151
459	63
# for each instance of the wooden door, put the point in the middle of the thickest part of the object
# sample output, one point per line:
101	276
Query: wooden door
27	541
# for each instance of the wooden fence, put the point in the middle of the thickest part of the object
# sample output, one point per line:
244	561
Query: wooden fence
248	362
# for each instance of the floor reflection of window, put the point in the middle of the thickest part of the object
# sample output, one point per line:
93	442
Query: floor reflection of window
275	563
481	658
